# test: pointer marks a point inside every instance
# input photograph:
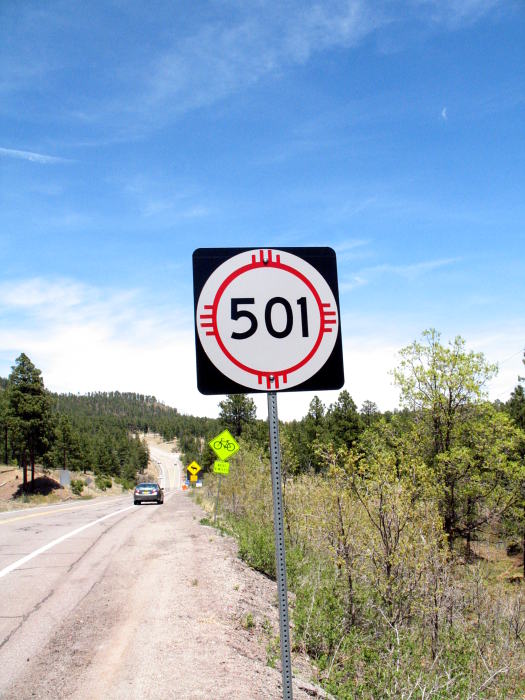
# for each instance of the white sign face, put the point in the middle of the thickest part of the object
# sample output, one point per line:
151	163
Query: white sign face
267	319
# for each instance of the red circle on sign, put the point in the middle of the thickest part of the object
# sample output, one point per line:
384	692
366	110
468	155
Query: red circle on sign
252	266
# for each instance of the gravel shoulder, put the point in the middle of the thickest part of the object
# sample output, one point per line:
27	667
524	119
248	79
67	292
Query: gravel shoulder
175	615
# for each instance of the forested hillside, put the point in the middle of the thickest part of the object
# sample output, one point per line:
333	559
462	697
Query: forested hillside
134	413
97	432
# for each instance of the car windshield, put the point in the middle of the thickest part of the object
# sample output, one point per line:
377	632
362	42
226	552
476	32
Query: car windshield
147	486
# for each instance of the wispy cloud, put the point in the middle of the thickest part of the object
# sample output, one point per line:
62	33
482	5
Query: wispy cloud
164	200
349	245
408	272
223	57
412	270
455	13
211	55
352	249
444	114
354	282
262	40
32	156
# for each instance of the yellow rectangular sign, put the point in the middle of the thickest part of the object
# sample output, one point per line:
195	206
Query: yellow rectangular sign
220	467
193	477
224	445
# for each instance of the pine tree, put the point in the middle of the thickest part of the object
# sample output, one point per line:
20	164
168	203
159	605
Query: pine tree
28	414
237	411
343	421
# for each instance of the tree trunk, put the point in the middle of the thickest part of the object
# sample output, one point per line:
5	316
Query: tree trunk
24	469
468	548
5	444
469	524
449	523
435	631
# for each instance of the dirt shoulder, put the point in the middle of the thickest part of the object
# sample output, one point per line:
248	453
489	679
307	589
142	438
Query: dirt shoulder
175	615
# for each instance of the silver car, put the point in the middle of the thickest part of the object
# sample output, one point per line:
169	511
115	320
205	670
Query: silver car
148	492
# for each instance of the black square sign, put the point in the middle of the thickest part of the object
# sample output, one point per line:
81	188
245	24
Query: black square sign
267	319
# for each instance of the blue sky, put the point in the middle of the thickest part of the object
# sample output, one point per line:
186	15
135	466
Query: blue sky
133	132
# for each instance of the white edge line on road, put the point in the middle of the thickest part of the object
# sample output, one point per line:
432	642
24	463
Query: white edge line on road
50	545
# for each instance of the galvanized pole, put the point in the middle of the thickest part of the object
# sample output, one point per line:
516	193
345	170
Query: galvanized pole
217	499
280	556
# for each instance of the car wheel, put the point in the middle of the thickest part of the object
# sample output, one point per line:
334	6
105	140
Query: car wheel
137	503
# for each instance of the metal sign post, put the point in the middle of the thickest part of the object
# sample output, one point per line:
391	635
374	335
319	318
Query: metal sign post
280	555
217	499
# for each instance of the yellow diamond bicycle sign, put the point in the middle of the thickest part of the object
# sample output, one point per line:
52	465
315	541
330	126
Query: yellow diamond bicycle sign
224	445
194	468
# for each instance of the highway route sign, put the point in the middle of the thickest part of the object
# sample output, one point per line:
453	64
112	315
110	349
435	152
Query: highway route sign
194	468
266	319
220	467
224	445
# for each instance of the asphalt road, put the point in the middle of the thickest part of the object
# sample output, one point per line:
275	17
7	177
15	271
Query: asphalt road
51	556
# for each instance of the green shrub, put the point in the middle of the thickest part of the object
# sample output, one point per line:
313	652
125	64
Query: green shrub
127	484
318	612
103	482
77	486
256	546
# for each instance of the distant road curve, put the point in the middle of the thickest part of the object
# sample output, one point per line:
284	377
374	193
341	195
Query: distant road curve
168	463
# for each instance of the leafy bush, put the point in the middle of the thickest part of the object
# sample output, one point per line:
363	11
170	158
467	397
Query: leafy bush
256	546
381	604
318	613
103	482
127	484
77	486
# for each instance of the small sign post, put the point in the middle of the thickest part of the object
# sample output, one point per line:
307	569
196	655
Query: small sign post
223	445
267	320
217	499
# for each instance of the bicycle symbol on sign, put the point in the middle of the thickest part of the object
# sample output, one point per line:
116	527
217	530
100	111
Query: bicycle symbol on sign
224	444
